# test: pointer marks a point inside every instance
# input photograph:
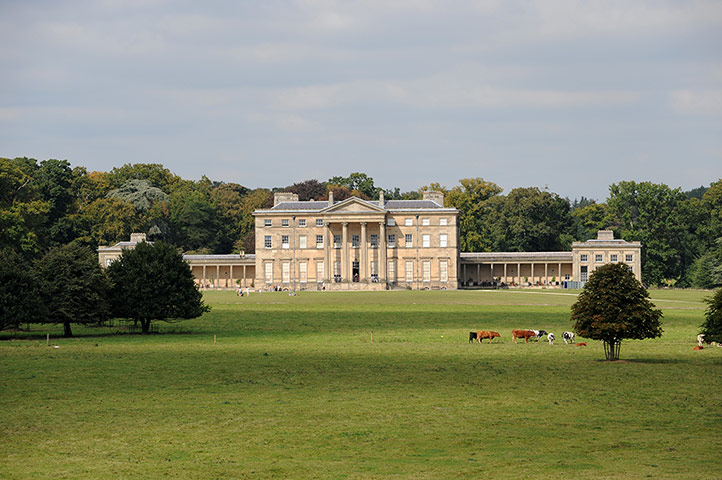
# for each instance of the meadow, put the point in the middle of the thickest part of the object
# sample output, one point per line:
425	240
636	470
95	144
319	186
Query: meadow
294	387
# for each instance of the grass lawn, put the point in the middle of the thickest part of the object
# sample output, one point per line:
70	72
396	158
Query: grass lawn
294	388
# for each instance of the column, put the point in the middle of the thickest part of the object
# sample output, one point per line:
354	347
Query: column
383	268
518	274
478	273
363	271
344	253
560	273
491	272
231	276
546	273
244	277
327	246
204	276
532	273
217	283
505	280
464	277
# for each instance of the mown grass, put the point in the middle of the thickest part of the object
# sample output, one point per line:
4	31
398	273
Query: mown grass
294	388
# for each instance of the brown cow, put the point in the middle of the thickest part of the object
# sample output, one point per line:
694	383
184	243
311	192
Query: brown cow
481	334
525	334
698	348
582	344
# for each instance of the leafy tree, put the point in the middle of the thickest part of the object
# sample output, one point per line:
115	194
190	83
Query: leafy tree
19	292
309	190
359	182
696	192
712	326
474	198
153	282
140	193
195	222
588	220
397	194
110	220
614	306
74	287
155	173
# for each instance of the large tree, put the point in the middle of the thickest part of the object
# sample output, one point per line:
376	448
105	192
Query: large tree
613	306
712	326
19	292
73	286
474	198
153	282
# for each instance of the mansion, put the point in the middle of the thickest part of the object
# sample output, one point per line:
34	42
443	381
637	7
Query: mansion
358	244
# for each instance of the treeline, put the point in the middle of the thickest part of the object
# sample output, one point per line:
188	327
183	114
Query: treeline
50	203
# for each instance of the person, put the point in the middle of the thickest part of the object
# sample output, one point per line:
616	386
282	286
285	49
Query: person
248	292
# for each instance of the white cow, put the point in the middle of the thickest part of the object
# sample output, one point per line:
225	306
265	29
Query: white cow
568	337
550	337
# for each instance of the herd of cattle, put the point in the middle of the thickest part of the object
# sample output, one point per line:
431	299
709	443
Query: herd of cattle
568	337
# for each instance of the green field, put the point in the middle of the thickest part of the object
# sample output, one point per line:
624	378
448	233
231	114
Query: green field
294	388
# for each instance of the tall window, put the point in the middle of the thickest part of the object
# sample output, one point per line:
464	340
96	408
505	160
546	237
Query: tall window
409	271
268	274
374	241
426	270
408	222
628	257
337	241
442	240
286	272
267	222
442	221
301	222
392	271
443	270
319	222
613	258
355	240
267	241
598	258
336	271
319	272
284	241
425	221
284	222
303	272
583	257
409	240
374	272
584	274
426	240
392	240
302	241
319	241
391	222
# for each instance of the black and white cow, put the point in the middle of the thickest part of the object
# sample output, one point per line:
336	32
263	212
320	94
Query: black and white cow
472	337
551	337
568	337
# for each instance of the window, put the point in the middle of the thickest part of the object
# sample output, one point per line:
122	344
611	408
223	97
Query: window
301	222
442	221
284	241
628	257
355	240
409	240
268	272
613	258
303	272
598	258
584	274
319	222
567	277
583	257
267	241
392	271
443	270
284	222
408	222
286	272
319	272
409	271
337	272
302	241
337	241
426	271
319	241
374	272
392	240
268	222
425	221
374	241
442	240
426	240
391	222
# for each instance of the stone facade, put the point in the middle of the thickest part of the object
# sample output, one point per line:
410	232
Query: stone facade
592	254
357	244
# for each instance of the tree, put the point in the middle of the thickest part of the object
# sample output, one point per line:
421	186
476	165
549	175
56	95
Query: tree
153	282
474	198
73	286
614	306
359	183
18	292
309	190
712	326
140	193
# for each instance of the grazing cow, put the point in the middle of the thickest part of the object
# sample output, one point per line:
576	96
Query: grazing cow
701	341
472	336
487	334
550	337
540	333
568	337
582	344
698	347
525	334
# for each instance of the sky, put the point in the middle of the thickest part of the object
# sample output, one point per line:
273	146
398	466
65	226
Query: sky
569	96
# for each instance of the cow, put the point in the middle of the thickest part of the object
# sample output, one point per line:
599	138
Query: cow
568	337
582	344
525	334
701	341
698	347
540	333
472	336
487	334
550	337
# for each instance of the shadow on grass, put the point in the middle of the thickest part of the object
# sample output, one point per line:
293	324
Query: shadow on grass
9	336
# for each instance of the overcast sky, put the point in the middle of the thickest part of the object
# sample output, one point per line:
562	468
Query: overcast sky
568	95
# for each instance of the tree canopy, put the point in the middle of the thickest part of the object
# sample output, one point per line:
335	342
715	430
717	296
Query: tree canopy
153	282
615	306
19	292
712	326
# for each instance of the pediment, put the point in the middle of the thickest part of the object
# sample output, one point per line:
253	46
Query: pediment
353	205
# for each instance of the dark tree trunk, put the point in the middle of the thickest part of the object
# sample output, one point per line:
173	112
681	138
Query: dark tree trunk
611	349
66	330
145	324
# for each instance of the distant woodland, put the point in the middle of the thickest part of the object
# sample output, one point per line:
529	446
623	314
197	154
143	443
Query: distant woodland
49	203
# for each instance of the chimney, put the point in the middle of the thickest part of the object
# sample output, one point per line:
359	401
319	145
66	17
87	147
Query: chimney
437	197
382	201
137	237
605	235
330	198
281	197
